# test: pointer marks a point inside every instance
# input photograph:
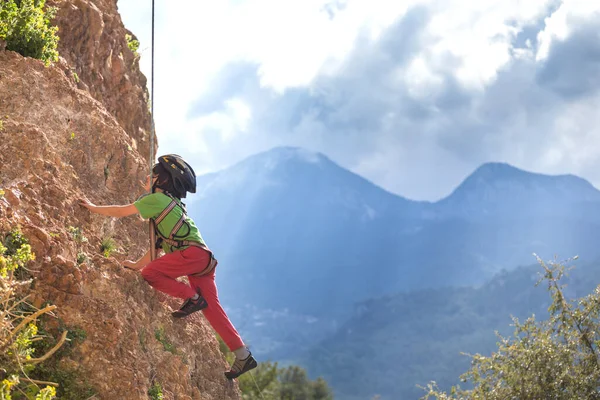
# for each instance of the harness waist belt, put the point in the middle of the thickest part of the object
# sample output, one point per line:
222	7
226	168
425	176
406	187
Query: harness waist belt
212	263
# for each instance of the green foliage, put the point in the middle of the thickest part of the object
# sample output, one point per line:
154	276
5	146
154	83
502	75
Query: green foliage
70	383
557	358
159	334
142	338
75	335
265	382
76	77
107	246
14	241
18	326
47	393
22	345
15	252
1	125
133	44
155	391
6	387
82	258
26	28
271	382
77	235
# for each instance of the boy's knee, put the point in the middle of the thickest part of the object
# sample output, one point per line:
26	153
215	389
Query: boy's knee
148	274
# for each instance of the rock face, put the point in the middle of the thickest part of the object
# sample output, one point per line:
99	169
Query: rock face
63	138
92	41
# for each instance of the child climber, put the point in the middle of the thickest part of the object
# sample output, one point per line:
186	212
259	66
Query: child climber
185	252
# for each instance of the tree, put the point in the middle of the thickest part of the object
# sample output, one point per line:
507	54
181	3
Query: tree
553	359
294	384
26	28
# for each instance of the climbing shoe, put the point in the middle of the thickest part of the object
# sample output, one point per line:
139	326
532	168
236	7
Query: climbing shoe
190	306
240	366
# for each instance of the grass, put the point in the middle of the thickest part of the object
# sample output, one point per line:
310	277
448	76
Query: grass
107	246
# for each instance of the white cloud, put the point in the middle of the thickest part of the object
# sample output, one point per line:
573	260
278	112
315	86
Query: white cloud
562	23
412	94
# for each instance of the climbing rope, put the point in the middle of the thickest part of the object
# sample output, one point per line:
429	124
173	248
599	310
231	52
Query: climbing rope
256	384
152	133
152	234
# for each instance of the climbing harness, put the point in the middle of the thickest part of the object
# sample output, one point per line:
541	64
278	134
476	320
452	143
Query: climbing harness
173	239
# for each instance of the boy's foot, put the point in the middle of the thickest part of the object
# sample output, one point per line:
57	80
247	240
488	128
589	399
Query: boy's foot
190	306
241	366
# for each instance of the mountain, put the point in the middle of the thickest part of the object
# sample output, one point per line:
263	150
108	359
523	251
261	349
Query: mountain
292	229
292	219
300	240
499	190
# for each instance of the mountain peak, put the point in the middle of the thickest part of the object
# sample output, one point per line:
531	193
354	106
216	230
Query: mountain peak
498	169
501	171
496	185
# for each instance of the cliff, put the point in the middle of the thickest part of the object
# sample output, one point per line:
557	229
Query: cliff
81	127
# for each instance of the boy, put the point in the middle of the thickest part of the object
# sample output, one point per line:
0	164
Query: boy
185	252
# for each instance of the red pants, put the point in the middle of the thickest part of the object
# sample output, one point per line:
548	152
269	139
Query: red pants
161	274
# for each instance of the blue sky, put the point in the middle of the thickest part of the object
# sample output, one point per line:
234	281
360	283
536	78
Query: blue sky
413	95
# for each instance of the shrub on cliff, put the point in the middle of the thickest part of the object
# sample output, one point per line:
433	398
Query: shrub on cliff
25	27
554	359
18	329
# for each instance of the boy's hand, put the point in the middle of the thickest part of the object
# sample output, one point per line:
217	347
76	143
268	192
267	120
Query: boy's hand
130	264
87	204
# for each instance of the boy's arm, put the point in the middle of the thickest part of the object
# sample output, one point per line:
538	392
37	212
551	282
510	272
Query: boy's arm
139	264
110	211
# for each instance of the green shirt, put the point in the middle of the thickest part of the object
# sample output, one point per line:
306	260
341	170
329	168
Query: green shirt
151	205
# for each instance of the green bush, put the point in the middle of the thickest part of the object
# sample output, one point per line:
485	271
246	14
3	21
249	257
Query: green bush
133	44
155	392
18	327
26	28
556	358
71	384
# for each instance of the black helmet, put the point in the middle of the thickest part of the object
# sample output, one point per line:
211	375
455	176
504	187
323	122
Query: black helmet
182	175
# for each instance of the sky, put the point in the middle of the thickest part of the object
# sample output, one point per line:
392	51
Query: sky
413	95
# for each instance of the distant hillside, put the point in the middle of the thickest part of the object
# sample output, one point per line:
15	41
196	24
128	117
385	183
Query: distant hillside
397	342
